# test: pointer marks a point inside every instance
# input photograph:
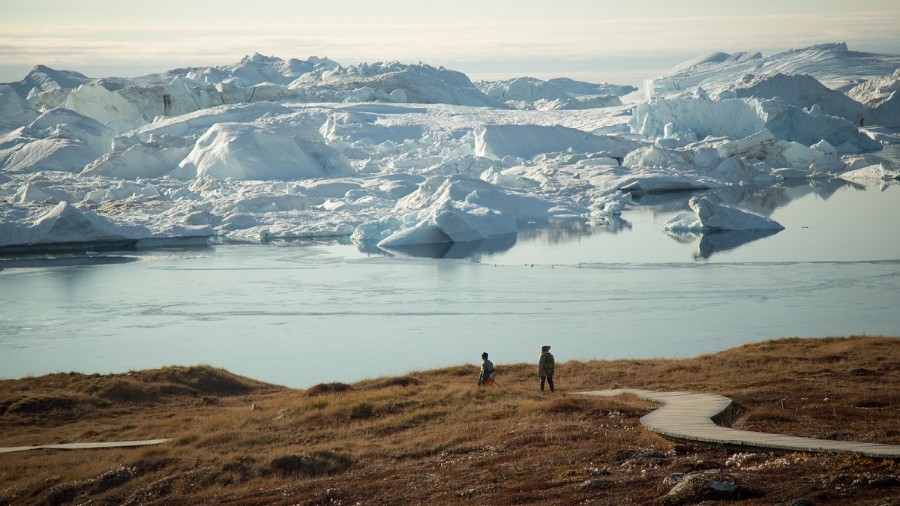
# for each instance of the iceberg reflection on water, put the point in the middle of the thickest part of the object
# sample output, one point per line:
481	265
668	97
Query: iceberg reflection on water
714	242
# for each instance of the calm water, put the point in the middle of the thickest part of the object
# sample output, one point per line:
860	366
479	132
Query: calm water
300	314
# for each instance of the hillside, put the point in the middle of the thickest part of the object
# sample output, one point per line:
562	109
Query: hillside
434	437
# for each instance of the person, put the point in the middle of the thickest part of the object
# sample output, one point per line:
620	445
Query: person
545	367
487	371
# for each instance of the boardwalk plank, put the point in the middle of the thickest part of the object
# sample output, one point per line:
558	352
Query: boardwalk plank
688	417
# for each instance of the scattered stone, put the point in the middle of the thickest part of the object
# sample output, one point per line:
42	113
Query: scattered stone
673	479
694	488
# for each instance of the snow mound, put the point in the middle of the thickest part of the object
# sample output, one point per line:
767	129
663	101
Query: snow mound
58	139
249	151
709	217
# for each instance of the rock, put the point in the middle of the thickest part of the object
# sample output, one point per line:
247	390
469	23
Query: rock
673	479
694	488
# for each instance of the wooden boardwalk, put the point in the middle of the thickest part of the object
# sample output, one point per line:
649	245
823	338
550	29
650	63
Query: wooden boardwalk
688	417
83	446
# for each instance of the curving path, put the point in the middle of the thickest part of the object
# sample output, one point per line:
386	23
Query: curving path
688	417
83	446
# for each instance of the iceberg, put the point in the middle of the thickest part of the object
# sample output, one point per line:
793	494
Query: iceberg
65	223
709	216
247	151
694	119
833	64
800	91
528	141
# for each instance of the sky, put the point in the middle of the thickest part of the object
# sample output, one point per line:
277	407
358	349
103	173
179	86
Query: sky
596	40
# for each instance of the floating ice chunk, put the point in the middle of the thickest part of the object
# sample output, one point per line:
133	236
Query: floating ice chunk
664	184
68	223
709	216
450	224
435	192
877	172
832	164
458	209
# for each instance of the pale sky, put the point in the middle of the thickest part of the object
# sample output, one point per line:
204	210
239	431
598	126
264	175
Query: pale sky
624	41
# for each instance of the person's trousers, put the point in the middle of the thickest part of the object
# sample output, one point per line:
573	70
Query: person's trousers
549	380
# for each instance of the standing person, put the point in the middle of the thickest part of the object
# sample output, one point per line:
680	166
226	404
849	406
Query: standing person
487	371
545	367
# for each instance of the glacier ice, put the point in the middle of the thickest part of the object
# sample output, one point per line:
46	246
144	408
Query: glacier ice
396	156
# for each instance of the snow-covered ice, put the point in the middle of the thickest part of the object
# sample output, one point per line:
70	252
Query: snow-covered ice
709	216
396	155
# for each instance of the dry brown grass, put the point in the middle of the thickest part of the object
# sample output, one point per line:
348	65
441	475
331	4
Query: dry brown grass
432	437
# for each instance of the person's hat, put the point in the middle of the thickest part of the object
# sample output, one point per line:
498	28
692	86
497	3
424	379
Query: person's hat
484	355
545	348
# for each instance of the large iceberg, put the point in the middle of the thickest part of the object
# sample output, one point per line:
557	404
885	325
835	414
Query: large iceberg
833	64
698	118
